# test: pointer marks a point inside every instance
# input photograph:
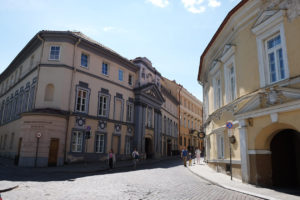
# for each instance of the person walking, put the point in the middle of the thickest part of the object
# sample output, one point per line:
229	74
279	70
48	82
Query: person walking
190	158
184	155
198	154
135	156
111	159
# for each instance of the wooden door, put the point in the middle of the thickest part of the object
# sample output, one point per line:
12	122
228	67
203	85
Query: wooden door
115	146
53	152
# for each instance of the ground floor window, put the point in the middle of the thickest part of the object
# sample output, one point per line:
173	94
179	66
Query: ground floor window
77	139
220	142
127	145
99	143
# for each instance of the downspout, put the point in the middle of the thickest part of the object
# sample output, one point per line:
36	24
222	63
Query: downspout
179	114
69	100
38	68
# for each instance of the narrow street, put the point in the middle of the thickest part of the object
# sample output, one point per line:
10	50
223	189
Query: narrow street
164	180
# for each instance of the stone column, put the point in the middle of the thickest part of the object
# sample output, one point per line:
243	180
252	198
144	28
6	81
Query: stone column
157	133
244	150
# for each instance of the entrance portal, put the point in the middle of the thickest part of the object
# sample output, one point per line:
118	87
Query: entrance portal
285	159
148	148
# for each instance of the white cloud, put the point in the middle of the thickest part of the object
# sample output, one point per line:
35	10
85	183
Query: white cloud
214	3
194	6
159	3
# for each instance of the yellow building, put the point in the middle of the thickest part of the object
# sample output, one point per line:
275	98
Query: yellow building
250	76
190	115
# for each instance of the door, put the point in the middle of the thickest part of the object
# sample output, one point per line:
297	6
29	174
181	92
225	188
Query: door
115	145
17	157
53	152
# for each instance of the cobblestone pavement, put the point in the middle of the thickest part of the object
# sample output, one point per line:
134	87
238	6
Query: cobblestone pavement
164	180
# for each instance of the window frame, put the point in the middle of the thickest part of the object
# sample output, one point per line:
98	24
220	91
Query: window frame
221	146
263	31
77	142
87	99
107	70
98	143
107	96
87	60
217	96
122	72
53	59
129	119
228	65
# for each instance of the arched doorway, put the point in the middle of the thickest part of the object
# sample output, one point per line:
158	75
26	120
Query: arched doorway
285	158
148	148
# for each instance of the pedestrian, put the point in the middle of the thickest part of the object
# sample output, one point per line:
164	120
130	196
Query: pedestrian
198	153
111	159
135	156
184	154
190	159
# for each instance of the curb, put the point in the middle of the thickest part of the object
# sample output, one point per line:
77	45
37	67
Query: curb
232	188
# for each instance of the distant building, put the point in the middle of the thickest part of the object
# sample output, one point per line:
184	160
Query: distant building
250	76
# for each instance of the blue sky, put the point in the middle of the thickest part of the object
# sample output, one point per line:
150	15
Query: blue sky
171	33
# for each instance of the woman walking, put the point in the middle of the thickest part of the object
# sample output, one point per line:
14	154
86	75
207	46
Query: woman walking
198	153
111	159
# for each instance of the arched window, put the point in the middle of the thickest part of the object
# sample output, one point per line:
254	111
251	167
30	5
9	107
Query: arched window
49	92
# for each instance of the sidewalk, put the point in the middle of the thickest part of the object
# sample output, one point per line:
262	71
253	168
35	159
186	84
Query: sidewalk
224	181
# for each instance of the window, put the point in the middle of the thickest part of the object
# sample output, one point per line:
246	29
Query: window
99	143
188	123
103	105
105	68
149	117
143	73
129	112
275	59
12	140
84	60
120	75
49	92
184	123
217	91
192	124
127	145
81	100
118	113
230	80
130	79
4	142
271	47
220	142
77	139
184	141
54	53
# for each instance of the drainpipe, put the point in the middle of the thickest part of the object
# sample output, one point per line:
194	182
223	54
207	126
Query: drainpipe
179	113
69	100
38	68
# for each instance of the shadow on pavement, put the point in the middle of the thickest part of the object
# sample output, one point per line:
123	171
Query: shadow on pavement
71	172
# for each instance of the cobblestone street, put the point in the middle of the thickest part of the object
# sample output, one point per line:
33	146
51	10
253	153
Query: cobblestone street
164	180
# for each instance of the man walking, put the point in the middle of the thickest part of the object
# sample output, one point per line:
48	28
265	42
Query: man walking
184	154
135	156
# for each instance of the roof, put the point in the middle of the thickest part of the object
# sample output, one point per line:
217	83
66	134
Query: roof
35	42
227	18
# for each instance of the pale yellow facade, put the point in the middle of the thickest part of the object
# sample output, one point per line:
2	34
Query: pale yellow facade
249	72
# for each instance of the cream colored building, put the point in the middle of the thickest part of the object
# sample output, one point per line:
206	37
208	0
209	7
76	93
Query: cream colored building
67	98
250	76
170	118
